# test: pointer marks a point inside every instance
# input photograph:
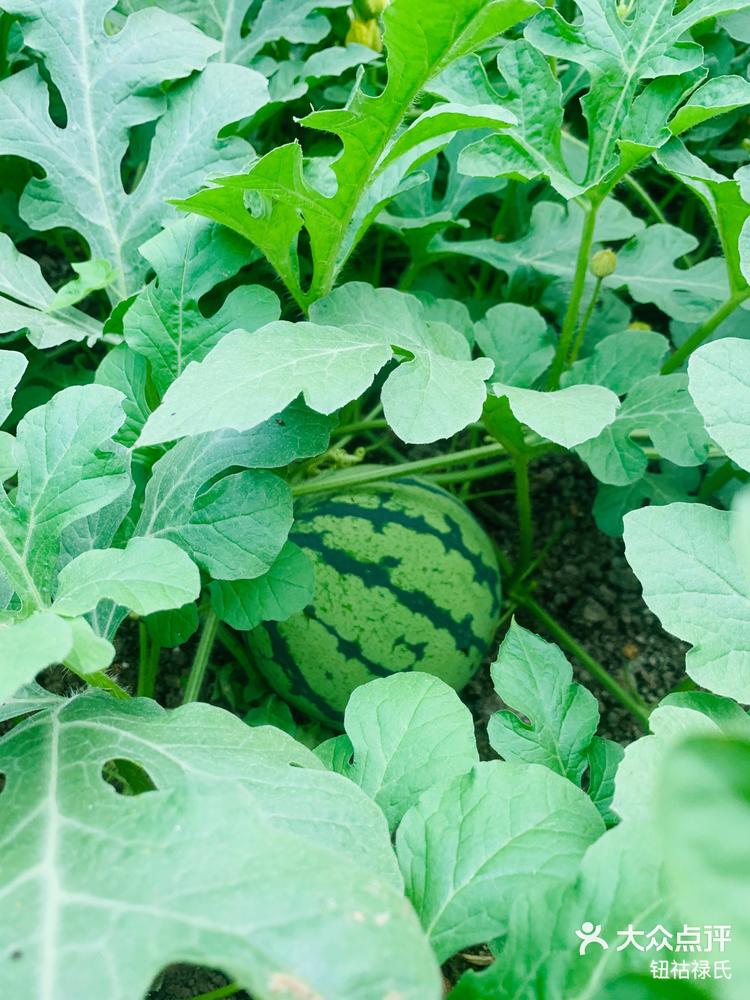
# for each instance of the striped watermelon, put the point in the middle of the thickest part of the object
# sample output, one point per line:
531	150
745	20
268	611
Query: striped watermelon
405	579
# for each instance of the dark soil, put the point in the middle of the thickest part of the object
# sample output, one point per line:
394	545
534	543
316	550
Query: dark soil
183	982
586	584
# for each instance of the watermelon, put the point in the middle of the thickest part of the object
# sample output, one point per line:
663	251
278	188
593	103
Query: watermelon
405	579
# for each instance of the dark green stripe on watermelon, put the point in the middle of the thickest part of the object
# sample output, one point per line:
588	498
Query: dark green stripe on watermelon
405	579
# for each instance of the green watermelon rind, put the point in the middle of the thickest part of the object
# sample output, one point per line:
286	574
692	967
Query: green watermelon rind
406	547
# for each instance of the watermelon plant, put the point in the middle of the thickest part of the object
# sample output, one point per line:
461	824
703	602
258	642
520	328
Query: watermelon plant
308	309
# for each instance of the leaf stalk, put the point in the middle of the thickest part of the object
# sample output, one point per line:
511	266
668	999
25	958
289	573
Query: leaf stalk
704	331
633	703
200	663
570	322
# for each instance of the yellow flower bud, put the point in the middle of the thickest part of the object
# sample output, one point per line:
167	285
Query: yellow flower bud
638	325
603	263
365	33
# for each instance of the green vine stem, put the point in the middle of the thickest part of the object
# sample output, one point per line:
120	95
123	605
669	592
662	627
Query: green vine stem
634	704
716	479
234	647
696	338
570	322
583	325
224	991
361	425
198	669
6	22
356	477
148	663
525	518
471	475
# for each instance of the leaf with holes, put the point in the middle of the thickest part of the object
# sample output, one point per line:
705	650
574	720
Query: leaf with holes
109	84
304	847
165	323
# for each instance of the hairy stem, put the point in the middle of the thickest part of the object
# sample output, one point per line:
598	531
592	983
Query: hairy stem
634	705
646	198
570	321
704	331
101	680
370	420
202	653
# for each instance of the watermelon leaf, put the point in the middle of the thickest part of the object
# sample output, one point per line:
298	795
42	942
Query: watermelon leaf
290	20
661	405
645	267
440	389
165	323
234	526
517	339
703	788
689	714
724	198
693	582
505	820
248	376
300	839
30	645
148	575
718	373
618	53
552	259
283	590
28	303
366	176
100	78
619	361
74	487
534	678
405	733
655	489
566	416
